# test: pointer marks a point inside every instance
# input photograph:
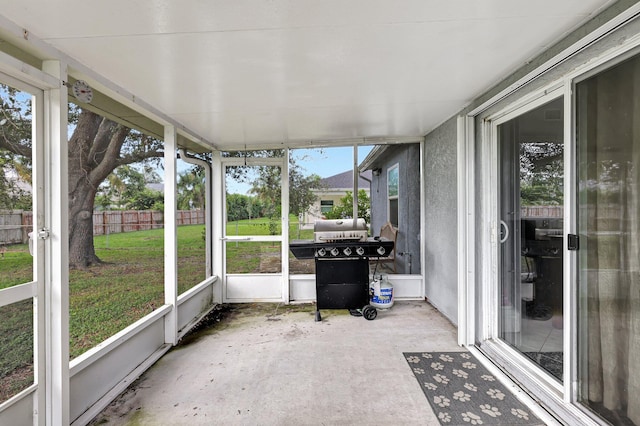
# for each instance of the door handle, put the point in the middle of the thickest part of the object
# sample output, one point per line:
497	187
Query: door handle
504	236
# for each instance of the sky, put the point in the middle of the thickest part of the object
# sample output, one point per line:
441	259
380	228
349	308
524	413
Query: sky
324	162
329	161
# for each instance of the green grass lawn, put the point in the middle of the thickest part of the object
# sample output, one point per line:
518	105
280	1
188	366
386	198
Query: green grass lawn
107	298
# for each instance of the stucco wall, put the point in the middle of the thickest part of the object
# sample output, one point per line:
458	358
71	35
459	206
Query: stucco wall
440	204
407	157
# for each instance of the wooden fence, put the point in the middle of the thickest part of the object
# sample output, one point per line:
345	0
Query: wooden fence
542	211
15	225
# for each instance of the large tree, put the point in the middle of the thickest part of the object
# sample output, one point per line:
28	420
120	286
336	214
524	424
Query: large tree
97	147
266	186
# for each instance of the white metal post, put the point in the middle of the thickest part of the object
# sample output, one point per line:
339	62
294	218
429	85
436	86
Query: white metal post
56	250
356	176
217	213
466	232
423	220
170	235
284	196
39	307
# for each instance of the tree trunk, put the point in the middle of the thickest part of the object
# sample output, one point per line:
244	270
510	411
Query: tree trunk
94	150
82	252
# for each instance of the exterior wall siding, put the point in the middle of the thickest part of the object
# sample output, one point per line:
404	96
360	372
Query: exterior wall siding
440	204
408	240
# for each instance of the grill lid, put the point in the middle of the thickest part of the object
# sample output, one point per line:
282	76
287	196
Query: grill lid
340	230
339	225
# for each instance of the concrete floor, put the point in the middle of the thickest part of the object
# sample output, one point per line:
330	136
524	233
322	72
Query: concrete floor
264	364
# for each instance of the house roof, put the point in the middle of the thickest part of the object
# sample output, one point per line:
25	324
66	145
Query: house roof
374	158
344	180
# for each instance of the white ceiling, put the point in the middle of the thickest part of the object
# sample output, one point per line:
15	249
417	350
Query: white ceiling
258	72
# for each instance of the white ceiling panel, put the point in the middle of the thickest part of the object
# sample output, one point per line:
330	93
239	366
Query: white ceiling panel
254	72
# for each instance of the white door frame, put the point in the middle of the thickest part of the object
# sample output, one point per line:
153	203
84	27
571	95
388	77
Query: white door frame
36	289
281	280
491	245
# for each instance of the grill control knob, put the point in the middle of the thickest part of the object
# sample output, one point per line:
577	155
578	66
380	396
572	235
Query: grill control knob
381	250
335	251
347	251
360	251
321	252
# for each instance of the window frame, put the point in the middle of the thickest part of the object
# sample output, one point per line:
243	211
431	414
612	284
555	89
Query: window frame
324	205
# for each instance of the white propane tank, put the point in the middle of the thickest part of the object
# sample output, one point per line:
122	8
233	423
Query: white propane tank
381	292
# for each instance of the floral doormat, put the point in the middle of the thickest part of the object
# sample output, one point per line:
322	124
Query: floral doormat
462	392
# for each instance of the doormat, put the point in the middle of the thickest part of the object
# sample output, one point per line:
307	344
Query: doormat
461	391
550	361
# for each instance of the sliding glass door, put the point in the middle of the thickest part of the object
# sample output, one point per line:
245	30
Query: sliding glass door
560	300
608	140
530	173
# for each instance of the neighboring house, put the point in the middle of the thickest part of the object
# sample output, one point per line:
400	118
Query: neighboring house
333	188
17	185
156	186
395	198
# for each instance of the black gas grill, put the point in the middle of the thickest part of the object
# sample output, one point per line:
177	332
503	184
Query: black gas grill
342	250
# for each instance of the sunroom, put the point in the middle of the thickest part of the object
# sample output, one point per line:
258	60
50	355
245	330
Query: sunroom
502	139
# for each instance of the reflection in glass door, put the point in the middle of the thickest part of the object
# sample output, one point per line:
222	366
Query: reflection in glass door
530	209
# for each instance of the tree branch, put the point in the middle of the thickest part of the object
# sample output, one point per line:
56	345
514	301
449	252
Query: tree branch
139	156
102	141
109	159
16	148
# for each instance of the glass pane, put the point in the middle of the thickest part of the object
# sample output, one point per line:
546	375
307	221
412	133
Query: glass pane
531	153
608	128
16	348
264	257
16	204
192	210
393	211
